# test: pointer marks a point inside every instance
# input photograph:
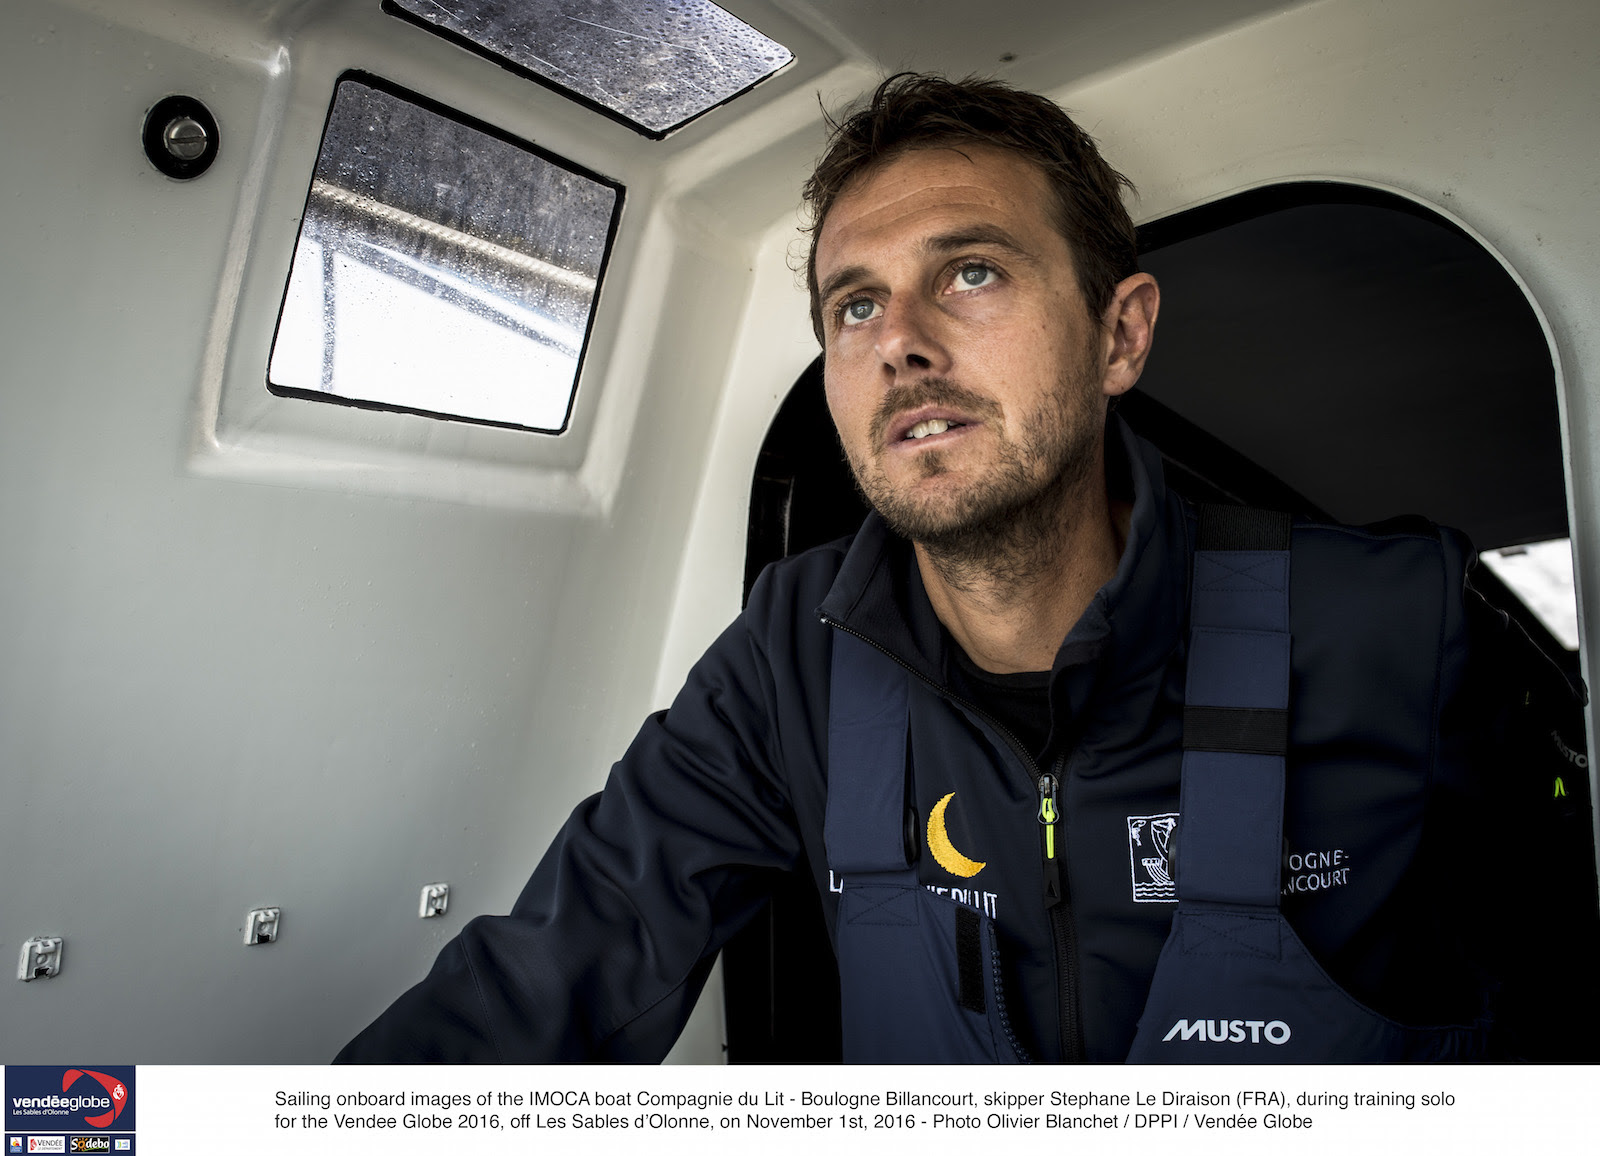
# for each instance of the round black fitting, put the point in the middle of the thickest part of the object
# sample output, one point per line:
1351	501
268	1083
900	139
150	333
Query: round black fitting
180	137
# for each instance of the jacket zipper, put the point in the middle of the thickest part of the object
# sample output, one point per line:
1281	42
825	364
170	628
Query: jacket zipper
1057	896
1063	929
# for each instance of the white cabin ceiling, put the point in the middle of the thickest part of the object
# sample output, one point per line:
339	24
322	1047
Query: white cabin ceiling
1030	41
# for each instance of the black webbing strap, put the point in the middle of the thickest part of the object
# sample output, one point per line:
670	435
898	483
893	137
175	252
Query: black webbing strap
1222	728
969	959
1242	528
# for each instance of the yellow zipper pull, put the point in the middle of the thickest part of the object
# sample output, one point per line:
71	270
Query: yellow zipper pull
1048	813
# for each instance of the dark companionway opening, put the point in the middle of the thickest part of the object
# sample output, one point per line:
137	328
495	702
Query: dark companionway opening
802	494
1364	350
1324	348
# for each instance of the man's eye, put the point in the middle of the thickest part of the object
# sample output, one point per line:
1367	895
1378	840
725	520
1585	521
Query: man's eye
859	310
973	277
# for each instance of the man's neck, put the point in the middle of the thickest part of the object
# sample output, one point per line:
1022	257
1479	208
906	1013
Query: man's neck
1011	608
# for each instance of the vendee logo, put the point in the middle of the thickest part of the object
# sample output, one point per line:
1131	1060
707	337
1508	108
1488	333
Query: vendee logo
97	1099
1229	1031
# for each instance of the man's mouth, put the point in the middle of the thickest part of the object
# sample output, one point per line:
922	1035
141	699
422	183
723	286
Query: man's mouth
909	415
933	425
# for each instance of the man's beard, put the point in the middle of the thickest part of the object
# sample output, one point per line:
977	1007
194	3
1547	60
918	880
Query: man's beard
1008	525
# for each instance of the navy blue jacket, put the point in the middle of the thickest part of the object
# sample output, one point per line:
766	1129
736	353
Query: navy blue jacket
606	950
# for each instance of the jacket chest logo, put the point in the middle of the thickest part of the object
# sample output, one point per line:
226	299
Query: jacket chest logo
1150	857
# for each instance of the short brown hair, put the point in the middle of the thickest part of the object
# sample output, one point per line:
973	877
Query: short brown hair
913	110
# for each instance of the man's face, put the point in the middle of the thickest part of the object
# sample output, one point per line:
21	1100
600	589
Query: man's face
963	369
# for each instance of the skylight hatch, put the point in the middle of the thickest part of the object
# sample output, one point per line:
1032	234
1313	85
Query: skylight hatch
653	64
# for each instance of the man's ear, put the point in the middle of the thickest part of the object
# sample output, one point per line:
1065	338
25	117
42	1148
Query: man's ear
1129	327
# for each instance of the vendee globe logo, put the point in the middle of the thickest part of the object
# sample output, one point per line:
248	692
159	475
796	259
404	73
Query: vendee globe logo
42	1098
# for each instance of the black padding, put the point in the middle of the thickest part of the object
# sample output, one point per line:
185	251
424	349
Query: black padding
969	960
1251	731
1242	528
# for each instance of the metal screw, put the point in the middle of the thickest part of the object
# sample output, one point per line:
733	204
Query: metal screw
184	137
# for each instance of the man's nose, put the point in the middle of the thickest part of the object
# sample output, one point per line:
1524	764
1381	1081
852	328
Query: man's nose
909	339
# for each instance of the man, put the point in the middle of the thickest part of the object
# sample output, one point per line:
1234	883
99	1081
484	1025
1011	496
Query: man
969	722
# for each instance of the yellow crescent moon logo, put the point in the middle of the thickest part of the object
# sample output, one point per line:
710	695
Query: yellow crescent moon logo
944	852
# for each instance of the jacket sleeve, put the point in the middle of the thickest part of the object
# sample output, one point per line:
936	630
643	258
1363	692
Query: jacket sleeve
605	952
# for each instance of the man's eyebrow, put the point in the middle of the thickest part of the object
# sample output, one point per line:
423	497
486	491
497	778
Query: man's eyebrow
838	280
992	235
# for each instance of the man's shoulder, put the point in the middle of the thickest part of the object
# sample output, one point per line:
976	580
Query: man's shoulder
1379	605
1399	557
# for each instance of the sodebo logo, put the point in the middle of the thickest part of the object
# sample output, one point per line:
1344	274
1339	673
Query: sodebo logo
1229	1031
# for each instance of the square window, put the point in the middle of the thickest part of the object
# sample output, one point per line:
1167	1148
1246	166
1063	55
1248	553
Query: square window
442	267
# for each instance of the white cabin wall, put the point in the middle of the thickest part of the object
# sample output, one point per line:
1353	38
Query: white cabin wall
775	344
